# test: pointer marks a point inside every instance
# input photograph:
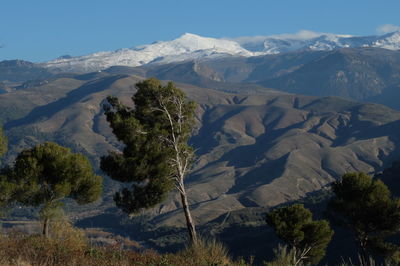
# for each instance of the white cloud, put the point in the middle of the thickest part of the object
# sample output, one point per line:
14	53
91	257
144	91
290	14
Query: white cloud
387	28
248	39
301	35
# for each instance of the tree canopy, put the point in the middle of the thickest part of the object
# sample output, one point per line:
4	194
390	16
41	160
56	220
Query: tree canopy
47	173
294	225
156	156
367	207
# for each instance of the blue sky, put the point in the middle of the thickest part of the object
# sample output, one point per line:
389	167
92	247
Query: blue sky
39	30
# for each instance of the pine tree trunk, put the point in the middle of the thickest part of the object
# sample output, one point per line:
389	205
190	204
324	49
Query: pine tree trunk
45	231
189	221
363	245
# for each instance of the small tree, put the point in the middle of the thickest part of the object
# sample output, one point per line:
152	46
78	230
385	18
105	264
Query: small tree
294	225
46	174
6	188
366	207
3	143
156	157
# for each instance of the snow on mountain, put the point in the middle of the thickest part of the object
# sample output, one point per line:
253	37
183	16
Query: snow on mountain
306	40
190	46
389	41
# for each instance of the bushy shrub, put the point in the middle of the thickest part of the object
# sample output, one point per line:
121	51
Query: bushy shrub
207	252
283	256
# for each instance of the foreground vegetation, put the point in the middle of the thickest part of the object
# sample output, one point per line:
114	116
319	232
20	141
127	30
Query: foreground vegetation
69	246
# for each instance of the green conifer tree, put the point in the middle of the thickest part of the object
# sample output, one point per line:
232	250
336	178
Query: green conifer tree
156	157
45	174
309	238
366	207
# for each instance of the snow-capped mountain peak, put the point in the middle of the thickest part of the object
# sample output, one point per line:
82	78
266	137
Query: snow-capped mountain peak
189	42
187	46
191	46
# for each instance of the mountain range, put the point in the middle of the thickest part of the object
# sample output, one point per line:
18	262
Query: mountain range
190	47
357	68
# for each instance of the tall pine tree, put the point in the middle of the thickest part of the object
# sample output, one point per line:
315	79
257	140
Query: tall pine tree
156	157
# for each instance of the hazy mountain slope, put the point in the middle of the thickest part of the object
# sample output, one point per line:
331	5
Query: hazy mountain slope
194	73
361	74
253	150
208	72
19	71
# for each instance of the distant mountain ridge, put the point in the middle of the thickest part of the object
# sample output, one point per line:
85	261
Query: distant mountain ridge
191	46
19	70
361	74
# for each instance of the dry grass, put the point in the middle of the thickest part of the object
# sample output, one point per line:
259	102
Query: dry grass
69	246
99	237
